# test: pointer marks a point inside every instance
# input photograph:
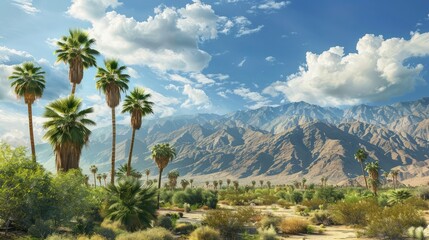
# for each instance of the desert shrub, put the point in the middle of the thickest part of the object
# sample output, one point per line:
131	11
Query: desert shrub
313	204
40	229
269	220
284	203
107	233
283	195
166	195
209	199
92	237
205	233
328	194
422	192
308	194
353	213
187	207
60	237
230	223
83	226
179	198
322	217
295	197
165	222
183	228
268	199
293	225
393	222
157	233
267	233
417	202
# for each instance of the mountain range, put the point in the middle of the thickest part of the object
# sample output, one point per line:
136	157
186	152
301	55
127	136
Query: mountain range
281	144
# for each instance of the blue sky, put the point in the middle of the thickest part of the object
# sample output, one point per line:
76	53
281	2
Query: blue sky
223	55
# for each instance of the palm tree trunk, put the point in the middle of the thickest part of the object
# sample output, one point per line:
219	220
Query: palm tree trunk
159	184
112	174
131	152
364	177
73	88
95	181
30	125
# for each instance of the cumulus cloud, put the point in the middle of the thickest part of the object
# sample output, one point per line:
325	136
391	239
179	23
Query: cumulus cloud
255	98
376	72
270	59
243	24
179	78
172	87
218	76
196	98
166	41
56	76
26	6
272	5
201	78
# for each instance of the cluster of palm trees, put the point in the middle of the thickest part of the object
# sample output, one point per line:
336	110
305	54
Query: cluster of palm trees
67	125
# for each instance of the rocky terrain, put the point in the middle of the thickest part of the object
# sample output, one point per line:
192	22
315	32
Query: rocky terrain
280	144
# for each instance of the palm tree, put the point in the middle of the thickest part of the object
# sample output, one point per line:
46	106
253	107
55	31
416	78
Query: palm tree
326	180
215	183
184	183
75	50
228	182
361	155
94	170
373	172
99	178
86	178
303	182
191	181
386	176
394	174
269	184
67	130
236	184
162	154
104	175
112	81
131	204
207	184
28	82
172	177
122	172
398	196
220	184
322	180
262	183
253	183
138	105
147	172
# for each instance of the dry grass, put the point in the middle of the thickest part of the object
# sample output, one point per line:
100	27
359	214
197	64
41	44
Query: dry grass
293	225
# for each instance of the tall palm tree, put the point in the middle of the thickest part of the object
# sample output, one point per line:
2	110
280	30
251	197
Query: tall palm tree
253	183
75	50
191	181
236	184
207	184
184	183
228	182
162	154
99	176
220	184
373	172
138	105
86	178
361	155
269	184
394	174
67	130
386	177
172	177
322	180
112	81
94	170
28	81
147	172
303	182
262	183
131	204
104	175
215	183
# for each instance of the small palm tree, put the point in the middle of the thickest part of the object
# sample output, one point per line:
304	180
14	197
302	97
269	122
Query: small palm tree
228	182
394	174
215	183
67	131
172	177
207	184
191	181
162	154
28	82
373	172
361	155
398	196
104	176
112	81
94	170
184	183
236	184
86	178
99	178
147	172
303	182
253	183
220	184
75	50
326	180
269	184
386	177
138	105
131	204
322	180
122	172
261	182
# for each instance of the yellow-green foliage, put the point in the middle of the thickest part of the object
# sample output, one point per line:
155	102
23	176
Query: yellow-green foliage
60	237
267	233
157	233
205	233
353	213
268	221
293	225
93	237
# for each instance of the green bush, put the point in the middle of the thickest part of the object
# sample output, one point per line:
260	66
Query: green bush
393	222
183	228
165	222
205	233
284	203
179	198
296	197
328	194
267	233
314	203
105	232
268	221
283	195
157	233
40	229
322	217
353	213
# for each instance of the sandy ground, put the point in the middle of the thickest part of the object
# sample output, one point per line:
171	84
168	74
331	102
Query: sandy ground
331	232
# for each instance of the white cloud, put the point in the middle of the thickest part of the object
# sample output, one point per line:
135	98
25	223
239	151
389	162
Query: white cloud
218	76
270	59
376	72
26	6
241	64
201	78
172	87
273	5
222	94
257	99
179	78
166	41
196	98
243	26
133	73
164	106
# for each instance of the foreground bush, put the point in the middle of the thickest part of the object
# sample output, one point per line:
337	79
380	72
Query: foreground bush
293	225
157	233
322	217
353	213
393	222
205	233
267	233
269	221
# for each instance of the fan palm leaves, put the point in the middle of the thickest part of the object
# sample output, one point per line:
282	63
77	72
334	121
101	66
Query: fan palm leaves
361	155
67	130
162	154
28	82
122	172
112	81
138	105
131	204
75	50
172	177
373	172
